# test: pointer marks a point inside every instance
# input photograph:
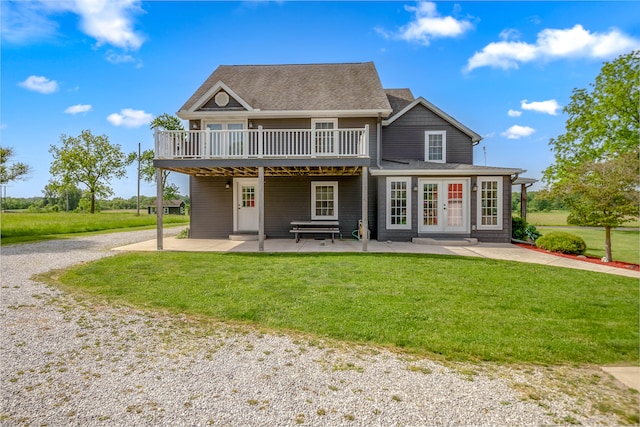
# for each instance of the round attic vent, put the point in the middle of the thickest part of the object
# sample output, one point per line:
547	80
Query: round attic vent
221	99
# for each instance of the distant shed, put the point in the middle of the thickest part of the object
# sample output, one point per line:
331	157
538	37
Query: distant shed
171	207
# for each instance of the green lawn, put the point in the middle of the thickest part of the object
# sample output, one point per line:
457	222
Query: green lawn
27	226
625	244
455	307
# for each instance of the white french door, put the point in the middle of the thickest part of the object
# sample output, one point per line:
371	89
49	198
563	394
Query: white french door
229	141
444	205
245	201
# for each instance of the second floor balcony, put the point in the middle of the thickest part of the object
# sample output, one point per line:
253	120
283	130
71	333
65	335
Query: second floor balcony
262	143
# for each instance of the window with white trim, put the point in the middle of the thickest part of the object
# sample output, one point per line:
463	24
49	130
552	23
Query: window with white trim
435	146
324	200
399	203
324	135
489	203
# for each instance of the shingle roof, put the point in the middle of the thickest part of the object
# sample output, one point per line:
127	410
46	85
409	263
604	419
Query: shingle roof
319	87
435	168
399	98
168	203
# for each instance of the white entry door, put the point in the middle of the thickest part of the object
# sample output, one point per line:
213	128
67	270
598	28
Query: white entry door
445	205
245	200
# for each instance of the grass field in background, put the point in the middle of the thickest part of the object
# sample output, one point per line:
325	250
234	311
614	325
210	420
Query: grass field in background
625	244
455	307
28	226
559	218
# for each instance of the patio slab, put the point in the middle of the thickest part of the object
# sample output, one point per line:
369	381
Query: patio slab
502	251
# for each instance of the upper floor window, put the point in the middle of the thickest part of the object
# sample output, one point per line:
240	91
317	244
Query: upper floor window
435	146
324	135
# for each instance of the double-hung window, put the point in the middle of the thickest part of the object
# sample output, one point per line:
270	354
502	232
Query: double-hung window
324	200
435	146
489	203
323	130
399	203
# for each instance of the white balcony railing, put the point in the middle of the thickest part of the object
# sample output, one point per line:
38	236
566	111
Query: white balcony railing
261	143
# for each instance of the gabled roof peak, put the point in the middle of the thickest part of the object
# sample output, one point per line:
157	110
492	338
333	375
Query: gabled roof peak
299	87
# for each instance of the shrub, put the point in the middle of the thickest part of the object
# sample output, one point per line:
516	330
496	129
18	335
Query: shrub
518	227
520	230
559	241
532	232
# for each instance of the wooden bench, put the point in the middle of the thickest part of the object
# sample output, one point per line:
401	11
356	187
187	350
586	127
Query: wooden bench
315	227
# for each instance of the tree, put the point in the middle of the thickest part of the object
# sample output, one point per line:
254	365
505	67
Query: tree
603	194
602	123
89	160
596	160
147	170
11	172
66	198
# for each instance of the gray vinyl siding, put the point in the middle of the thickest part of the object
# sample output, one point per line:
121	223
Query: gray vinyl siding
286	199
211	208
404	138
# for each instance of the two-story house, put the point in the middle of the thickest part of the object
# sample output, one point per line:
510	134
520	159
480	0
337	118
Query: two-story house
272	145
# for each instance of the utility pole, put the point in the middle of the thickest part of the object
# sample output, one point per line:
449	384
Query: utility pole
138	203
484	148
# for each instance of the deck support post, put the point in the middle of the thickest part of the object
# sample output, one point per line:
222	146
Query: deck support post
523	201
261	208
159	208
365	208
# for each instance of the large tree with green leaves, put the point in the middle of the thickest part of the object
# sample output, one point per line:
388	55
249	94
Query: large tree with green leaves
596	160
147	170
10	172
90	160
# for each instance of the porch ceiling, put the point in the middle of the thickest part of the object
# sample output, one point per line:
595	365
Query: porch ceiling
252	171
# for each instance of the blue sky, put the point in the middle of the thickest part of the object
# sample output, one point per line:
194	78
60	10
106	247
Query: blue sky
504	69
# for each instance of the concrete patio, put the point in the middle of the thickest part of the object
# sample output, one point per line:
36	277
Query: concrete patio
502	251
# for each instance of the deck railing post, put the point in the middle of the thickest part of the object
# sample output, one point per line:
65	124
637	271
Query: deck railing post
364	148
260	142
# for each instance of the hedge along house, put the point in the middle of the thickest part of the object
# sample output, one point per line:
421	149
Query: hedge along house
271	146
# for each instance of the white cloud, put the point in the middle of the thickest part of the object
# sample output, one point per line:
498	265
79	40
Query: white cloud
552	44
514	113
427	24
79	108
109	22
39	84
130	118
547	107
517	132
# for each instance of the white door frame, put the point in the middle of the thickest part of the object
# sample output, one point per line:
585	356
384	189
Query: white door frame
442	205
237	200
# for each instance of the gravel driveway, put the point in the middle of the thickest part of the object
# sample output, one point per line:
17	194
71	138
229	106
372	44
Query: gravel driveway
66	361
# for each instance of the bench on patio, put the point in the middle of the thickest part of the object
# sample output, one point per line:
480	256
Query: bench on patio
315	227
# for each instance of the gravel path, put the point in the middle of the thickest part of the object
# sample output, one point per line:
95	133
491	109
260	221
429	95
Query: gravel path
65	361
